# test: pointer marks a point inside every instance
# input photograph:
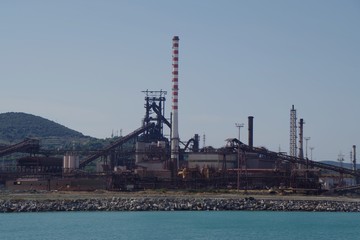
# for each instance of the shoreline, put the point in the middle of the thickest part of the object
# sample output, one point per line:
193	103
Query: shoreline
171	201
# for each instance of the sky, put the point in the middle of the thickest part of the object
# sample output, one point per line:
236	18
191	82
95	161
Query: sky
85	63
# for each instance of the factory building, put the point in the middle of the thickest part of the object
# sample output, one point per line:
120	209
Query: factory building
147	158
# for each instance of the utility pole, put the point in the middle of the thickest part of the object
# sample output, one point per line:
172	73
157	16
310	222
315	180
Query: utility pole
204	140
341	160
239	126
311	151
306	146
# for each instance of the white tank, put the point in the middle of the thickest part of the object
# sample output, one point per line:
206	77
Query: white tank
73	162
64	162
70	163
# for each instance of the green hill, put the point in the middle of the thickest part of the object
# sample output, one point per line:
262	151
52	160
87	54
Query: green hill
15	126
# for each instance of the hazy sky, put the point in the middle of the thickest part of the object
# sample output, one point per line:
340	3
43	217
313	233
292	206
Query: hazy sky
84	64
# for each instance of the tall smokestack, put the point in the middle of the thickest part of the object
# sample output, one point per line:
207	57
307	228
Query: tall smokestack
301	140
354	157
251	130
175	89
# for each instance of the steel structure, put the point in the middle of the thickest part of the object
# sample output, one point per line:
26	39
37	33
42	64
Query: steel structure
298	160
155	113
195	144
293	134
347	188
28	145
39	165
116	144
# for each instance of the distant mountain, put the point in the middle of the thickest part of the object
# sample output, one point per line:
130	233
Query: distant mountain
16	126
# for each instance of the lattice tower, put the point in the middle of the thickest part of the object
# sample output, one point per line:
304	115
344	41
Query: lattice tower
293	132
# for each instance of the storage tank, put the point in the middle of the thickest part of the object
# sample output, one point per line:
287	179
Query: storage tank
73	162
66	163
70	163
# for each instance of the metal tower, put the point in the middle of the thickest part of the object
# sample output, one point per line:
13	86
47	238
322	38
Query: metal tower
155	113
293	134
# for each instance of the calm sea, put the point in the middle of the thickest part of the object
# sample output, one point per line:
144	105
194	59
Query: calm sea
180	225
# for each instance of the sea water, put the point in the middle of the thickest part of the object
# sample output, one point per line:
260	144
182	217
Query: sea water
180	225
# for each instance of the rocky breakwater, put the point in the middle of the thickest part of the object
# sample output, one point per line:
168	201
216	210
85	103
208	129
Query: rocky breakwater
176	204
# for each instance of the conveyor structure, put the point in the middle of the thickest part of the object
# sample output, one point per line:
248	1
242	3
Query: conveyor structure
116	144
28	145
296	160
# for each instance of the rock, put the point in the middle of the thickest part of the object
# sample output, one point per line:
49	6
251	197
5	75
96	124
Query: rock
175	204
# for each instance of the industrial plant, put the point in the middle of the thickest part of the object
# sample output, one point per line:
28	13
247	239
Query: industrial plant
148	159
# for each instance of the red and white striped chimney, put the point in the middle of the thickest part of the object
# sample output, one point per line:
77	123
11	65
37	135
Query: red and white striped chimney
175	89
